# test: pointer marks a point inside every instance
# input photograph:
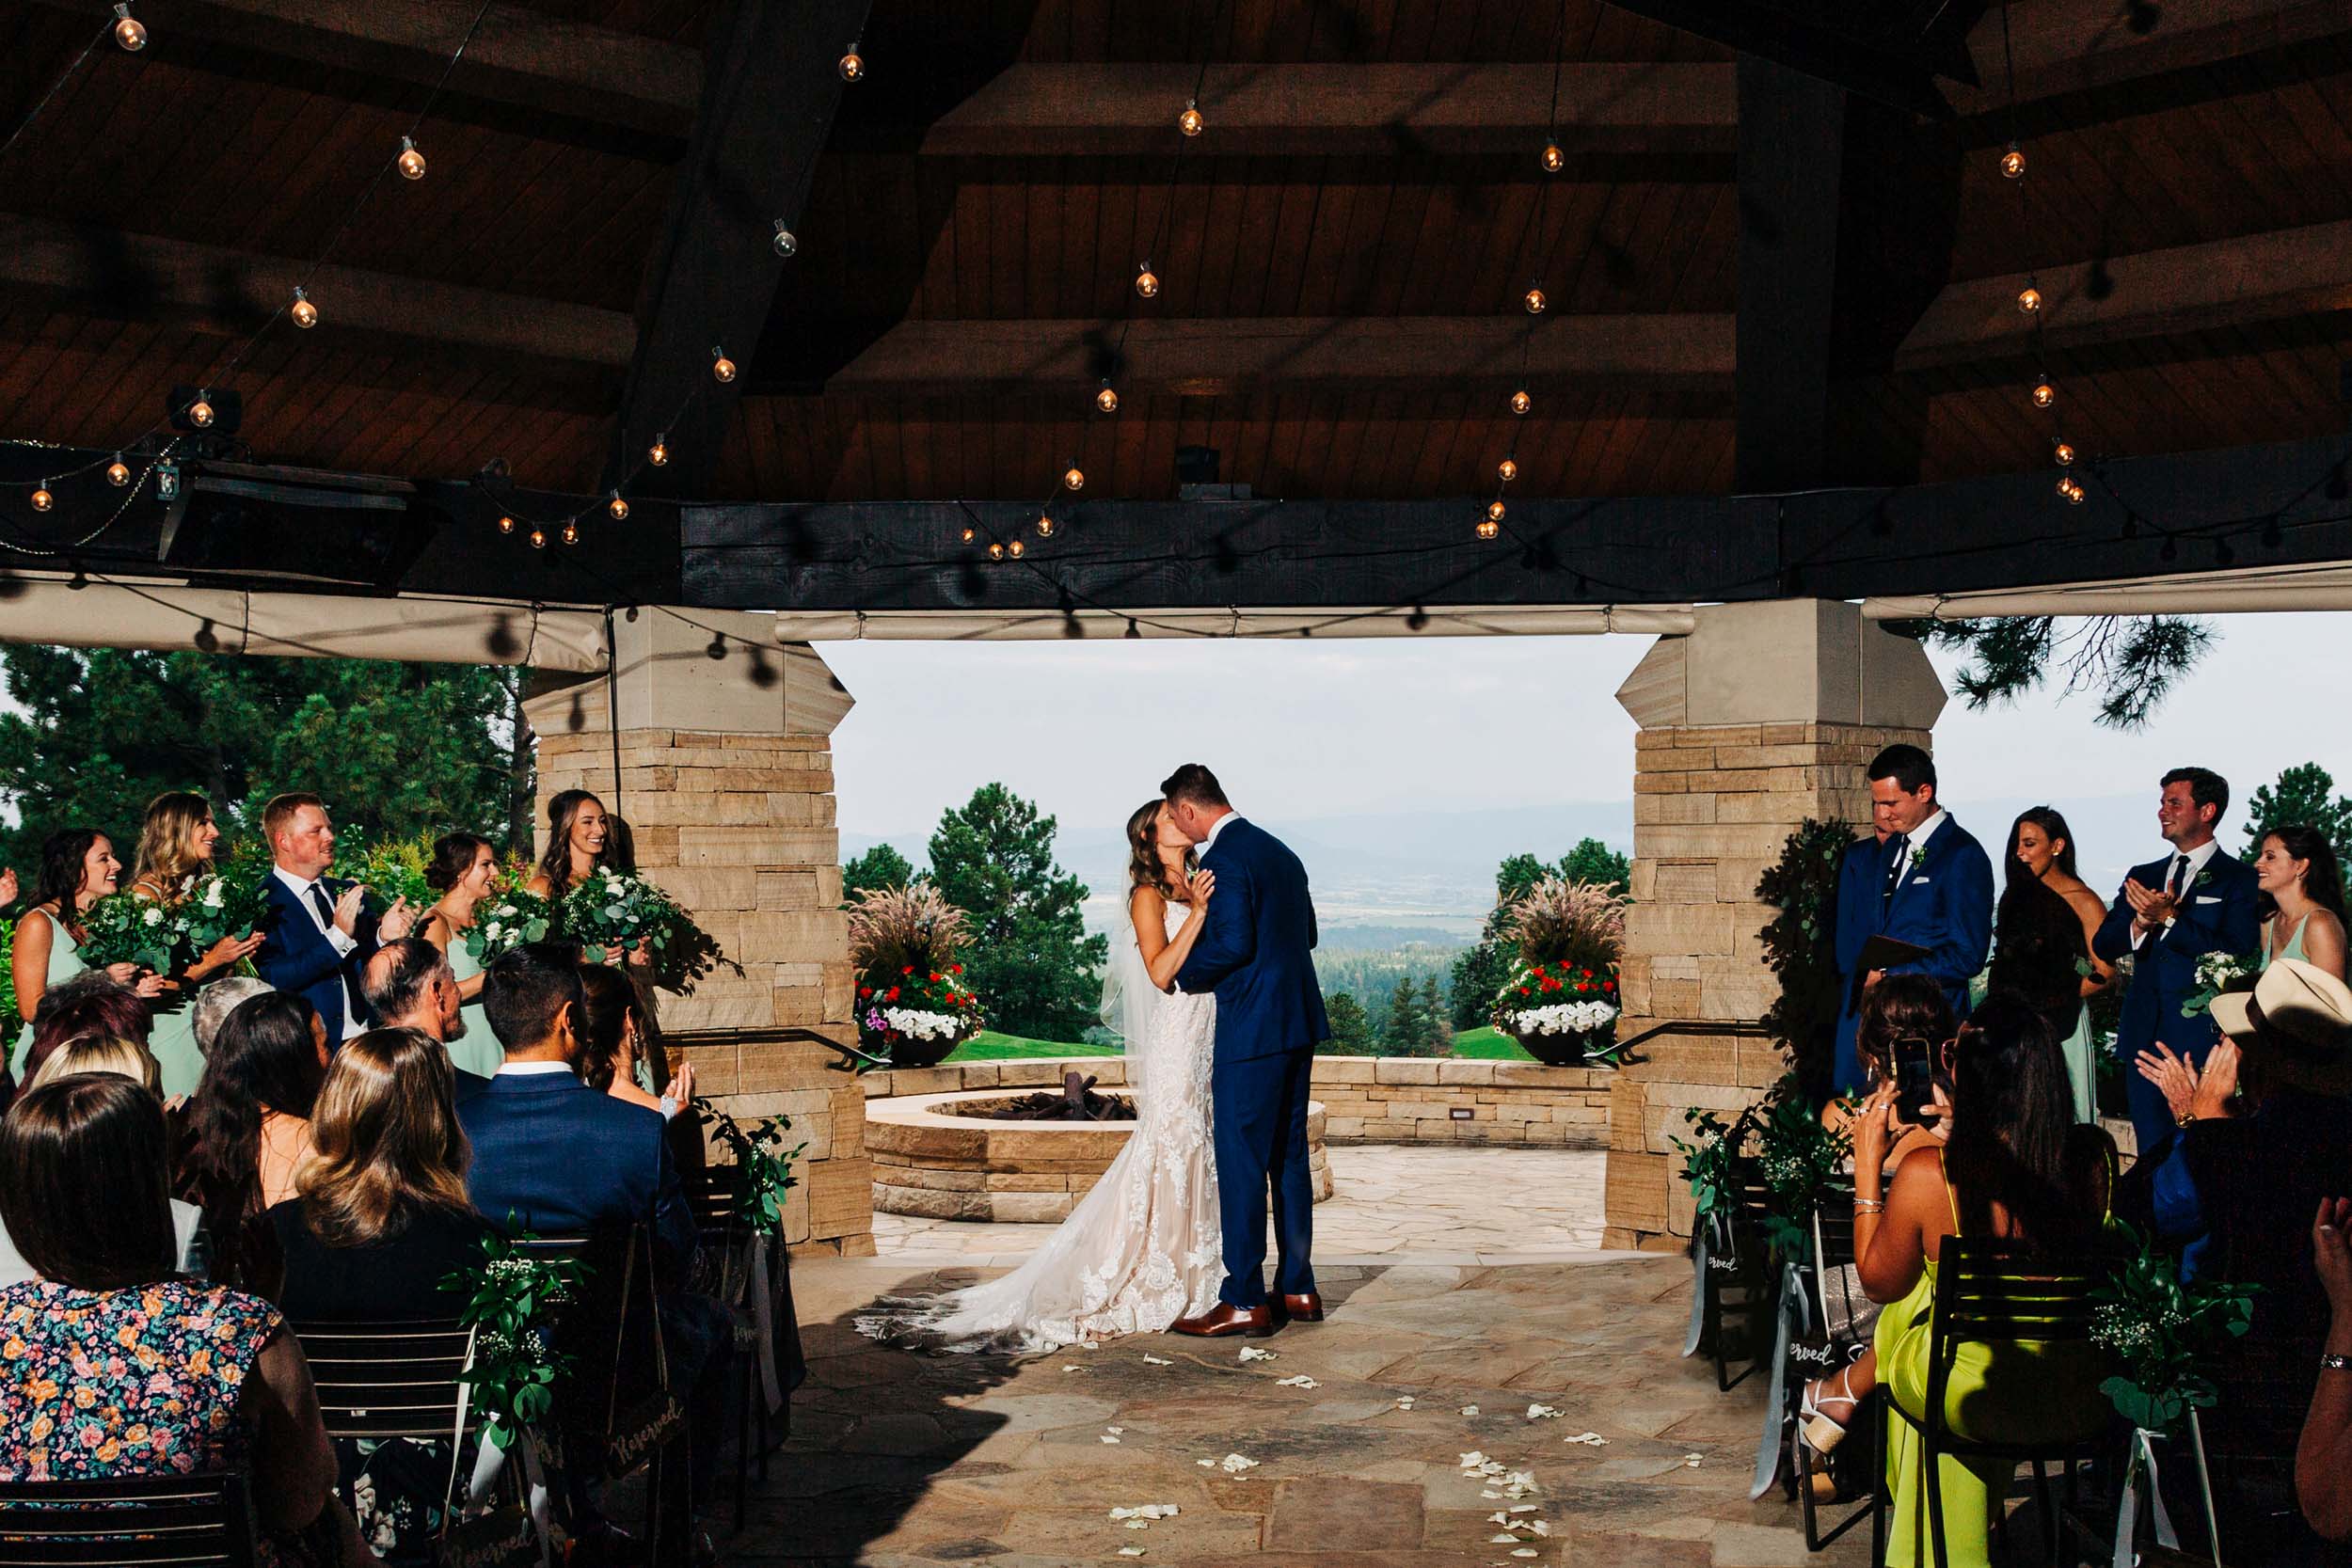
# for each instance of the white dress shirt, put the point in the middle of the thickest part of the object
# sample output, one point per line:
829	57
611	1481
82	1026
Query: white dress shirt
2197	859
1215	828
521	1070
343	946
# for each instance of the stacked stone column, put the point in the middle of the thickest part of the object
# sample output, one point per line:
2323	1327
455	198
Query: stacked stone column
1763	717
725	781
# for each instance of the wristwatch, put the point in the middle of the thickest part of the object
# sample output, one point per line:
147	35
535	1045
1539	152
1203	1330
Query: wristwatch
2335	1363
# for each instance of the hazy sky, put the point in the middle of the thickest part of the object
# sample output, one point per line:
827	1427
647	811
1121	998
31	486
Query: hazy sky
1305	730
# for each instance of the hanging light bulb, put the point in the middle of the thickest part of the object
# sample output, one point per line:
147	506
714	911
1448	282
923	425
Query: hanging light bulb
1106	400
659	453
306	315
787	244
1147	281
2043	393
200	411
995	551
2013	163
2063	452
117	473
1190	122
1488	528
618	507
2029	299
1522	403
1494	511
1555	160
1016	549
970	534
129	31
571	533
538	539
853	66
720	366
43	499
412	161
1506	470
1535	302
506	524
1074	478
1044	526
2075	492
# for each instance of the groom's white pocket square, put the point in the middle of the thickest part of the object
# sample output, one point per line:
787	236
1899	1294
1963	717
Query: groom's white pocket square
1921	881
2209	898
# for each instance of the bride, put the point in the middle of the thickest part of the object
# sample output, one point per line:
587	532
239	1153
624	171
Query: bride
1142	1248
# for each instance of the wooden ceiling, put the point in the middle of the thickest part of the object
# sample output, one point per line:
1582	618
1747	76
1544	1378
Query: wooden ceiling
1343	251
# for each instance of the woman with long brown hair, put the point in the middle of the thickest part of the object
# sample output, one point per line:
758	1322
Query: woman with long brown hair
249	1129
579	842
177	840
2041	936
77	868
463	871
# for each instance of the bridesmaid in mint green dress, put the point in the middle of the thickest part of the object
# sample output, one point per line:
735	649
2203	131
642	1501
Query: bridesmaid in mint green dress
77	868
463	871
176	841
2295	868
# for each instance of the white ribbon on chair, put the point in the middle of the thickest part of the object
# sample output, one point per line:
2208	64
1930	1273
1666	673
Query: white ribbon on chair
490	1462
1794	1308
763	1322
2143	1454
1704	1242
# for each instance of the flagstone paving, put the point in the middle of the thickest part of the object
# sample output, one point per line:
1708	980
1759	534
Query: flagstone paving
1429	1204
906	1461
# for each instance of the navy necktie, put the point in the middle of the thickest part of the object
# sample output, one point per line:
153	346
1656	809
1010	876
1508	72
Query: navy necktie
1895	866
2180	874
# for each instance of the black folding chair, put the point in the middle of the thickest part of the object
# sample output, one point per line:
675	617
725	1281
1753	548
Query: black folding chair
1989	1291
722	1270
1741	1289
1832	1251
139	1522
378	1381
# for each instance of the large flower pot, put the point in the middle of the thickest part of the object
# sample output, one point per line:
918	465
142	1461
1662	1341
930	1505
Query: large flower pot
908	1052
1558	1050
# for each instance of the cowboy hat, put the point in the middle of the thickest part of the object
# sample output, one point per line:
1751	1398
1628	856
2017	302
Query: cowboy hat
2297	1022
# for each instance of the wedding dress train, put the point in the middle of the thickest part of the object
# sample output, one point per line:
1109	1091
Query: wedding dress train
1143	1248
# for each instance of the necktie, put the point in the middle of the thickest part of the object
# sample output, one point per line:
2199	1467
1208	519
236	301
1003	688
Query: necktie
2180	874
319	902
325	907
1896	865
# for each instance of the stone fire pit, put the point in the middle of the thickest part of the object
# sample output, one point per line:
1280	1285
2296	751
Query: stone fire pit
934	1163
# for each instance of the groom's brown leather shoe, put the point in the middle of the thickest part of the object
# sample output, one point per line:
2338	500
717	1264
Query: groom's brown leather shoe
1226	1319
1307	1309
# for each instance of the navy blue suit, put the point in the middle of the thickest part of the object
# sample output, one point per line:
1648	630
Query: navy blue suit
1859	873
295	956
1942	901
1255	954
564	1159
2216	914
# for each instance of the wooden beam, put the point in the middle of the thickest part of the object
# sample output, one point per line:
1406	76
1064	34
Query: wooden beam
770	92
1897	68
1311	109
2070	46
519	55
1792	154
230	292
2258	277
1212	357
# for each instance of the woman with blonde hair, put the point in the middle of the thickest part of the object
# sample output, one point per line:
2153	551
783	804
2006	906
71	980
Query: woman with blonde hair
177	840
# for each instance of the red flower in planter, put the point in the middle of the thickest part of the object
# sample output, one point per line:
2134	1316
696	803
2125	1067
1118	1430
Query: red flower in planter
1583	985
908	969
954	969
1538	969
1609	985
864	991
1524	991
934	980
891	995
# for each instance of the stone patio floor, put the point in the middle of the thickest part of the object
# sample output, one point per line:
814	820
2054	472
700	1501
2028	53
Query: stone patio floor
1431	1205
906	1461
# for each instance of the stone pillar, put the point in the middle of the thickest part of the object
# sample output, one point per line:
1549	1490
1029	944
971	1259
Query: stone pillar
726	784
1764	715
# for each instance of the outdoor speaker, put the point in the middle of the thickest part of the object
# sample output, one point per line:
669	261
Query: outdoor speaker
297	523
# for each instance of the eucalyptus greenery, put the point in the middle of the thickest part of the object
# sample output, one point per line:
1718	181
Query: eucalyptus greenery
2162	1332
763	1162
511	1303
1710	1161
1800	949
1798	1158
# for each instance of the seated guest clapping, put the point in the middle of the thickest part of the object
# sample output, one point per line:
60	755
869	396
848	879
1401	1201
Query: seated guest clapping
89	1054
619	1036
117	1369
249	1129
2016	1167
2323	1455
410	985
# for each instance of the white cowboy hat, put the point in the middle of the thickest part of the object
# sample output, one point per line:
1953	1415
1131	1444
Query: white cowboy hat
2297	1022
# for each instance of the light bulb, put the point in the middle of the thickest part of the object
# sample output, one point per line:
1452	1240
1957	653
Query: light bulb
129	31
1494	511
720	366
117	473
2013	163
1075	478
1555	160
996	551
506	524
1044	526
2043	393
412	161
2029	299
970	534
1190	122
1488	528
1506	470
2075	492
618	507
2063	452
2066	485
571	533
201	413
306	315
1522	403
1016	549
787	243
1147	281
659	453
853	66
1535	302
1106	400
538	539
43	499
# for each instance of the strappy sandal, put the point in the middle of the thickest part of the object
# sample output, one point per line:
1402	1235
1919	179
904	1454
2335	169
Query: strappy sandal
1821	1429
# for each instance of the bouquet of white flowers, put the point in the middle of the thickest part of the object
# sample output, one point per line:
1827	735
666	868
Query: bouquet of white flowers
508	922
218	904
621	909
2217	973
124	929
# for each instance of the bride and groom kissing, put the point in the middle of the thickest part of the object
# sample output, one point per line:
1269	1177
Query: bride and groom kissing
1214	988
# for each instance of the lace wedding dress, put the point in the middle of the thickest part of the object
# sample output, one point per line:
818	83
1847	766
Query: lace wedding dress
1143	1248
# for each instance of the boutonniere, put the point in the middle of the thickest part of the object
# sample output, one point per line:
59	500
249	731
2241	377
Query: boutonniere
1918	856
2204	879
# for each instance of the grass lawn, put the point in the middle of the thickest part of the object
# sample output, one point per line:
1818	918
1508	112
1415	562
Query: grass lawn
989	1046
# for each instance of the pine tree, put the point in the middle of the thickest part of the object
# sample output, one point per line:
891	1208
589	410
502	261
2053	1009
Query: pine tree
879	867
2304	795
1441	1040
1405	1031
1351	1027
1031	963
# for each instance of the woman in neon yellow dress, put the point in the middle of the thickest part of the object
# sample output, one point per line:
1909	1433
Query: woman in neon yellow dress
2017	1166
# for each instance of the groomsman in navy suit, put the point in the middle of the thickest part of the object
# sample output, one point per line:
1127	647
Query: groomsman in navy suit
321	932
2171	912
1933	890
1860	877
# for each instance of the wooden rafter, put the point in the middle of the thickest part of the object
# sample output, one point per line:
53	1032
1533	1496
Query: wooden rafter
2068	46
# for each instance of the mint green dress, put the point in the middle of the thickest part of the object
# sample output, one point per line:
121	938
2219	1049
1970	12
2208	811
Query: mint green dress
171	1036
2293	948
478	1051
65	962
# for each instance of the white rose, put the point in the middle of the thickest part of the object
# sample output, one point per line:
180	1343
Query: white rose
490	932
154	915
215	894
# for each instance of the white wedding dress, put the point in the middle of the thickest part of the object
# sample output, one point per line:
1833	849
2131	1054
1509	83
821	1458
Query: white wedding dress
1143	1248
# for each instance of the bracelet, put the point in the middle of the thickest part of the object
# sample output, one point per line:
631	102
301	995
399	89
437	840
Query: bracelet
1869	1205
2335	1363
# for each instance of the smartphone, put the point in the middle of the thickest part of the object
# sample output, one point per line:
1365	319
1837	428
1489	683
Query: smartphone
1915	1079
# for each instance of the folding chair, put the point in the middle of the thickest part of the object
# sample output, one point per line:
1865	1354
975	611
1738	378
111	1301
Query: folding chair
1740	1288
723	1270
1833	1250
1989	1291
138	1522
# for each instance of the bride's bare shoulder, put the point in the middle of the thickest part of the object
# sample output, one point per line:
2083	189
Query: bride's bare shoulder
1147	903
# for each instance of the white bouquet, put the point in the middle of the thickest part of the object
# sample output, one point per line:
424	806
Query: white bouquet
2217	973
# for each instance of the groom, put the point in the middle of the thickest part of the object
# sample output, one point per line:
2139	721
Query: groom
1254	955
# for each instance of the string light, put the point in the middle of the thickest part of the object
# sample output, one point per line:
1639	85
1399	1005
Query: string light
2063	452
43	499
1147	281
506	524
2043	393
1554	158
659	453
1016	549
538	539
305	314
1506	470
1494	511
200	411
1522	403
412	161
1044	526
787	244
1107	399
571	533
995	551
853	66
1535	302
117	473
2074	493
1074	478
720	366
129	31
1488	528
1190	122
618	507
2029	299
970	534
2013	163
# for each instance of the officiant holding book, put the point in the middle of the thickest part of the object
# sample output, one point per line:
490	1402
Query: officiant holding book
1926	908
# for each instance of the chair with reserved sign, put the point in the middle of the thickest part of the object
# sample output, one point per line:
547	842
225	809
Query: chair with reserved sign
730	1267
1740	1288
1831	1340
203	1521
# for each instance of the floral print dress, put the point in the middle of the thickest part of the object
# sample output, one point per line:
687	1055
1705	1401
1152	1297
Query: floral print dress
106	1385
